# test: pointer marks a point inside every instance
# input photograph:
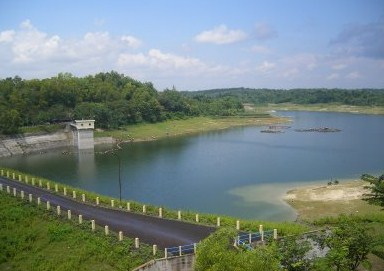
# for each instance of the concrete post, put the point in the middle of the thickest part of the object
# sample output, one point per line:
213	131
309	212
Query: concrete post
48	205
128	206
120	236
74	194
69	214
30	197
194	247
83	197
22	194
19	178
144	209
7	174
14	192
26	179
14	176
197	218
8	189
180	253
56	188
260	229
112	203
80	219
250	238
58	210
160	212
2	172
238	225
262	236
40	183
154	250
65	191
97	201
137	243
275	234
93	226
165	253
218	222
48	186
33	181
38	201
106	229
1	186
179	215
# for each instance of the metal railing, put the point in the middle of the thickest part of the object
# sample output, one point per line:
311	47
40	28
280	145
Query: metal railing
180	250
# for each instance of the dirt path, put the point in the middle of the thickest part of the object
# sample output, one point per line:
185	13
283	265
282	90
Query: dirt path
149	229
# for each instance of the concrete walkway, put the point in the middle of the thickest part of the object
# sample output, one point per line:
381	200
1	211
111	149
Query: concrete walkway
149	229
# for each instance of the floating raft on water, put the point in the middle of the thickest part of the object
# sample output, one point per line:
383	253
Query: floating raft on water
271	131
275	129
319	130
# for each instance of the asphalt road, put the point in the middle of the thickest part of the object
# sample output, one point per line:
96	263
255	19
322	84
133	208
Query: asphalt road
149	229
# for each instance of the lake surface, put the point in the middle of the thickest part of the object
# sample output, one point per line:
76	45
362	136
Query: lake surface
240	172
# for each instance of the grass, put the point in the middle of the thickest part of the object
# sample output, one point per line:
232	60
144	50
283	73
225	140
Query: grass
152	131
49	128
32	238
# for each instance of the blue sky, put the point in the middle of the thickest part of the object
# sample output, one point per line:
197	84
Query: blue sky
198	44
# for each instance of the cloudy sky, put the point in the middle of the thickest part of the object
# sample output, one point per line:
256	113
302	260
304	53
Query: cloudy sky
198	44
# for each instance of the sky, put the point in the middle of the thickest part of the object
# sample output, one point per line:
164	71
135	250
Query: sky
198	44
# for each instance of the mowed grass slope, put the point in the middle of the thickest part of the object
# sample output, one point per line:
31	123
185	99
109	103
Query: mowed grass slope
169	128
32	238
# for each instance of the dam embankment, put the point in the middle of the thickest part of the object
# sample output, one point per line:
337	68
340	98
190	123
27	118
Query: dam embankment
25	144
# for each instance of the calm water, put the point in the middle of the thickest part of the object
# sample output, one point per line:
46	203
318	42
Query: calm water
240	172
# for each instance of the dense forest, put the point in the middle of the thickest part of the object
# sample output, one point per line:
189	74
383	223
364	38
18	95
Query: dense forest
360	97
114	100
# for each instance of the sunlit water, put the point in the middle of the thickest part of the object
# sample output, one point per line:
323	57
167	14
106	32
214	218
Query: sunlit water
240	172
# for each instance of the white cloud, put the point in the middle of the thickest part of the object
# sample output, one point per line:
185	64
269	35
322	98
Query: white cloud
353	75
7	36
266	67
157	59
339	66
221	35
333	76
131	41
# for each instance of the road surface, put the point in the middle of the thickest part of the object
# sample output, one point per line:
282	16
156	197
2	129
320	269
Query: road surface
149	229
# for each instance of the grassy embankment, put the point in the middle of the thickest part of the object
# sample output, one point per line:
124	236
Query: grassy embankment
170	128
32	238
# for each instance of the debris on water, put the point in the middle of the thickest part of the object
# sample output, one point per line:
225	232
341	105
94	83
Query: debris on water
320	130
271	131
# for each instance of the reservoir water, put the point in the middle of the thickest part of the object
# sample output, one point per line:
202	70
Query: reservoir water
240	172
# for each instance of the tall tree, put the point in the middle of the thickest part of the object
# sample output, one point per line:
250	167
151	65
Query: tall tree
377	189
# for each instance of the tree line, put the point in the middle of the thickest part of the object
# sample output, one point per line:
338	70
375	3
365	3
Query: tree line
359	97
115	100
112	99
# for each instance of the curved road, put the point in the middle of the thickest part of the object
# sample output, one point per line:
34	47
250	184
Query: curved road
149	229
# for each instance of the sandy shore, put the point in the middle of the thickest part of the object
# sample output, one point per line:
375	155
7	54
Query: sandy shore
312	202
344	191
